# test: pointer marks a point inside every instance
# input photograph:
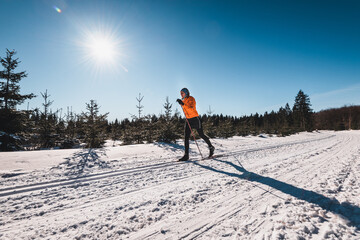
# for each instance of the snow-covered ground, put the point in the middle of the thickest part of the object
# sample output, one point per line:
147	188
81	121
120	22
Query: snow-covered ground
304	186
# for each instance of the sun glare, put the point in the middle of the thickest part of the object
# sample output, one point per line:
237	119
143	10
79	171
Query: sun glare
102	50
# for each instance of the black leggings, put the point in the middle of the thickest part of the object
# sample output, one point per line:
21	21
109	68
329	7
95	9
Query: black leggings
195	124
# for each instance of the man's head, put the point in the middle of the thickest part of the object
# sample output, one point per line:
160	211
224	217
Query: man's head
184	93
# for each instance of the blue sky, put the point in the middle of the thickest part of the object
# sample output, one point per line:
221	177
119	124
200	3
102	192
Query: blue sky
239	57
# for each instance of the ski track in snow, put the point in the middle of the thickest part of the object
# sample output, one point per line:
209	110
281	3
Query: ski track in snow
298	187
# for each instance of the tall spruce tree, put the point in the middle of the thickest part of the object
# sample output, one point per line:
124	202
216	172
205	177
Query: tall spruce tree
94	125
12	121
302	113
9	86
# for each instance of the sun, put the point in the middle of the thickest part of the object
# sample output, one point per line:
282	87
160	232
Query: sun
102	50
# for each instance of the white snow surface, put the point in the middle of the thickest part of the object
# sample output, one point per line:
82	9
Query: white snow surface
304	186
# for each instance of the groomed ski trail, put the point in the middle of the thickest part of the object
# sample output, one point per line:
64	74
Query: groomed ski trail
201	199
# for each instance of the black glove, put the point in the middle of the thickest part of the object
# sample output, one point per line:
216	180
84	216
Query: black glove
180	102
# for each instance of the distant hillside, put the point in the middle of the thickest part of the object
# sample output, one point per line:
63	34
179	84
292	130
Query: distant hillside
338	118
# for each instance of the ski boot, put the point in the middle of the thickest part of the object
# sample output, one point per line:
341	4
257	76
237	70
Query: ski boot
184	158
212	149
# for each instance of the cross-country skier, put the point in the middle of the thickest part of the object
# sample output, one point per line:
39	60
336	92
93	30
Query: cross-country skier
188	104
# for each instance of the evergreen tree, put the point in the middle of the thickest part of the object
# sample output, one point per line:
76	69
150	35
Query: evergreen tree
150	129
302	113
47	123
29	126
208	123
9	87
226	127
60	129
281	121
12	122
70	129
270	123
267	122
94	125
139	106
284	120
137	131
289	116
252	125
209	111
167	128
115	131
127	136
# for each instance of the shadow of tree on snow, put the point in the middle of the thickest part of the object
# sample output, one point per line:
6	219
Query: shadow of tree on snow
85	159
347	210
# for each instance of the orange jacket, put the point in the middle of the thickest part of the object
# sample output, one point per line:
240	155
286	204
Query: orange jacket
189	107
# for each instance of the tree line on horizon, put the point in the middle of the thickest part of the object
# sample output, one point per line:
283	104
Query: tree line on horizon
43	128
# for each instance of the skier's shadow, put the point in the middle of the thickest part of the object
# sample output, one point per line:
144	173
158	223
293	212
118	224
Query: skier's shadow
348	211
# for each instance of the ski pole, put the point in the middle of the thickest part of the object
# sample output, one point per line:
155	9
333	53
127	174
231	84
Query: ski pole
238	161
192	132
